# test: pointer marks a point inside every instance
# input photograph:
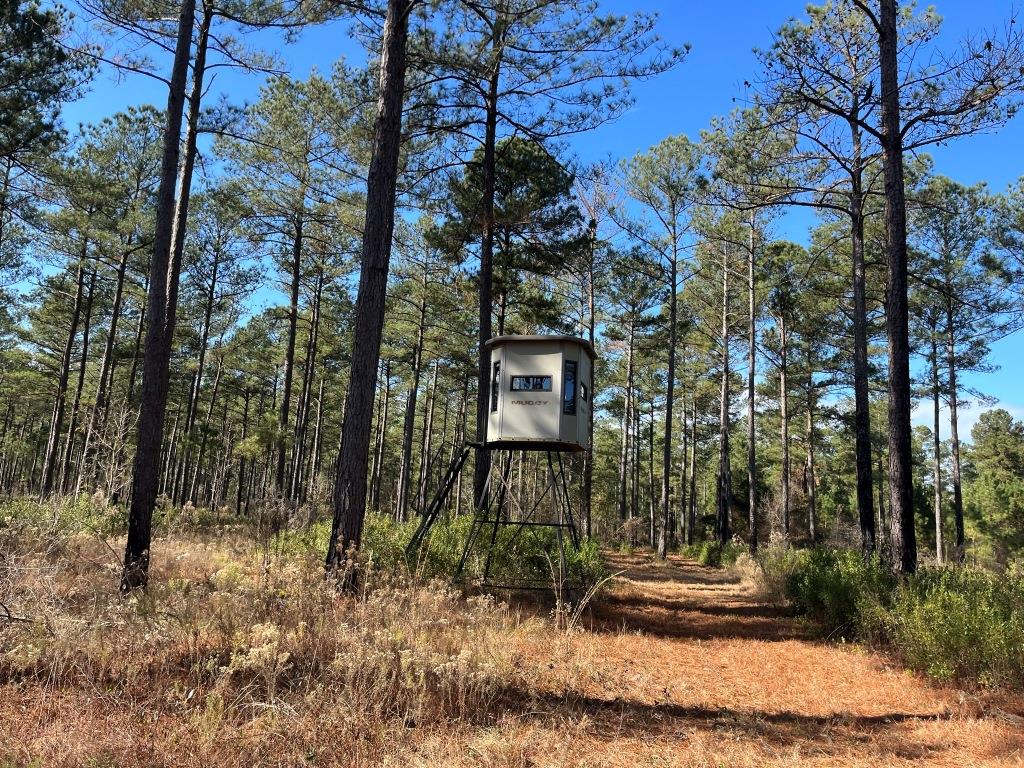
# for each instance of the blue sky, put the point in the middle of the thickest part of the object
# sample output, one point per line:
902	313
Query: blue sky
723	36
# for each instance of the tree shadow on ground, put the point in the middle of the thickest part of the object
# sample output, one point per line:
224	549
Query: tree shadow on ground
689	624
876	736
696	602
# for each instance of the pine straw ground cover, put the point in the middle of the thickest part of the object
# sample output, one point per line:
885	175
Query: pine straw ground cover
242	656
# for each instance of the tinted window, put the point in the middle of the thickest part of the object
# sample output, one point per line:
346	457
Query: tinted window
495	382
531	383
569	388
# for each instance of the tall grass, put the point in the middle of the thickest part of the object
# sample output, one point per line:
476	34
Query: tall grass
233	628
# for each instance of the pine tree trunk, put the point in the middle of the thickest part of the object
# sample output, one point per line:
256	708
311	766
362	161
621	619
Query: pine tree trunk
314	471
246	395
289	365
652	508
409	425
140	329
784	419
588	457
197	382
752	510
668	526
60	401
161	306
170	455
482	466
350	485
69	444
382	431
638	439
692	524
959	552
724	490
683	495
305	394
463	427
204	439
102	404
861	371
883	525
936	446
425	443
812	480
901	490
627	416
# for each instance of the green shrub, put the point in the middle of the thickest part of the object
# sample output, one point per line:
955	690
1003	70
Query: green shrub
776	564
529	557
951	623
715	555
960	623
62	517
832	585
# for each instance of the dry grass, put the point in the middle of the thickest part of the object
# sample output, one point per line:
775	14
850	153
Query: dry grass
232	652
236	657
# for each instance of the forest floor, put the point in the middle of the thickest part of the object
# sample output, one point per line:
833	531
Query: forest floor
675	665
684	665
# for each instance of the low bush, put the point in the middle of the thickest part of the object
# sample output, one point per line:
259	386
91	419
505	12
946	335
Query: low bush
959	623
952	623
714	555
832	586
529	555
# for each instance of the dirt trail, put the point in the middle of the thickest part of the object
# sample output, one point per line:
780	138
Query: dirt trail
684	666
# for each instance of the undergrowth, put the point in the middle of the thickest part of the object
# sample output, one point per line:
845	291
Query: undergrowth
234	630
714	554
952	623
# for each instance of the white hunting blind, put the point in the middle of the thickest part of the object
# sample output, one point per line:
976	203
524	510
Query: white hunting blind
540	393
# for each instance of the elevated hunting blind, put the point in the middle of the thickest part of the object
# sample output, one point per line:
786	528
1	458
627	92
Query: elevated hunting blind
540	396
539	400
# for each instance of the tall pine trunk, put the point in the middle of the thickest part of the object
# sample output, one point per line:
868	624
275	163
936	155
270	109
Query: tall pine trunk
933	358
723	495
353	457
627	415
483	458
289	361
102	404
382	433
692	522
861	371
784	419
409	425
69	445
751	372
901	490
811	478
668	526
161	309
426	443
588	457
959	553
60	400
295	491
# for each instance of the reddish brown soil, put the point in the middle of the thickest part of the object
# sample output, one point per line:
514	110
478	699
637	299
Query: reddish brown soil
685	666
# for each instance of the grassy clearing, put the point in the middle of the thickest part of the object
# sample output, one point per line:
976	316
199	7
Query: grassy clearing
237	635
